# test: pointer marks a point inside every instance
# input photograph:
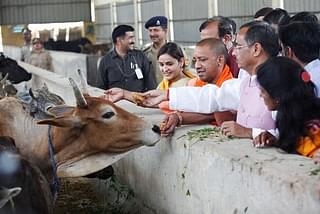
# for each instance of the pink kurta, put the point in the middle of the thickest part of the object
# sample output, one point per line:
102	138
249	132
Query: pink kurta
252	112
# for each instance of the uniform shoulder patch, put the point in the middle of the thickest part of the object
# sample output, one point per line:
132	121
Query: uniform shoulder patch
147	49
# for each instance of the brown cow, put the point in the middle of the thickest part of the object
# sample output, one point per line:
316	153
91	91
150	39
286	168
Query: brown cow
80	134
6	88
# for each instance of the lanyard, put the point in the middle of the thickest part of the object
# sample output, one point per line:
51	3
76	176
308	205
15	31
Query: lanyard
127	74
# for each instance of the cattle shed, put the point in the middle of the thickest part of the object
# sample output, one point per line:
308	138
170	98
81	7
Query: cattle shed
185	16
180	174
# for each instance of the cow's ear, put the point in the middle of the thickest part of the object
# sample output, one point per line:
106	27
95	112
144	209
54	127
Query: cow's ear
68	121
60	111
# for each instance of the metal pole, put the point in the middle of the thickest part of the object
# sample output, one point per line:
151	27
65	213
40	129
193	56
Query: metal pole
1	45
113	14
137	21
278	4
212	8
169	14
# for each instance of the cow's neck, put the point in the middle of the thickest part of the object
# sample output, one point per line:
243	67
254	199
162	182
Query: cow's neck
16	123
70	144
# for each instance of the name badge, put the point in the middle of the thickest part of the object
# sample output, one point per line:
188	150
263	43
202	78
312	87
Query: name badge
138	72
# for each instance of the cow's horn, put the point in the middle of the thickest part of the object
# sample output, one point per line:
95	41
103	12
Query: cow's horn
81	101
83	82
45	87
3	81
33	94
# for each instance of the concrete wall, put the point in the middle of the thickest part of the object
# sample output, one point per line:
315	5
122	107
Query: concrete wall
212	176
182	176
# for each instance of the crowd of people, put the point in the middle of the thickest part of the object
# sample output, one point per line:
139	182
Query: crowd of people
33	52
261	81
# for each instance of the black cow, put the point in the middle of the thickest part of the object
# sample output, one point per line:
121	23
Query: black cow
17	174
69	46
16	73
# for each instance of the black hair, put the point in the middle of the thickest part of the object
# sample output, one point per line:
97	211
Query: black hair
262	12
277	16
261	32
303	39
120	31
296	98
304	16
171	49
225	27
233	24
26	30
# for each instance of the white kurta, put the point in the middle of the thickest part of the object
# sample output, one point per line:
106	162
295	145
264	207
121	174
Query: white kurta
313	68
209	99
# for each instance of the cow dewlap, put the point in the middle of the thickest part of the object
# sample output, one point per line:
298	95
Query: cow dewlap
89	164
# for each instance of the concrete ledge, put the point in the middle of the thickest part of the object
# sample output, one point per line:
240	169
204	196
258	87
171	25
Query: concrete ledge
185	176
182	176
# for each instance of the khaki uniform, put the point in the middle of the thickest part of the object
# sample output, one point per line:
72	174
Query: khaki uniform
25	51
41	59
151	54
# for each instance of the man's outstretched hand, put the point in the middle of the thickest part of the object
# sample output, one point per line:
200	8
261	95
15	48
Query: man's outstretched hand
154	97
114	94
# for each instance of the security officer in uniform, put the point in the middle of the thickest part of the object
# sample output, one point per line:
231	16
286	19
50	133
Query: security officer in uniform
125	67
157	29
27	46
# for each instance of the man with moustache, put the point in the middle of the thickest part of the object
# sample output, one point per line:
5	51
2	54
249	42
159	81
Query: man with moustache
157	30
209	57
255	43
125	67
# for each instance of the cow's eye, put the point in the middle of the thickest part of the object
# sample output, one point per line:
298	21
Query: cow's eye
108	115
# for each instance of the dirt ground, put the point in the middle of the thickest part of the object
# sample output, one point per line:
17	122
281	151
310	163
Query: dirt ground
93	196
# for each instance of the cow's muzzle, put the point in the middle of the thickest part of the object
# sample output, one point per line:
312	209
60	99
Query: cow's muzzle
156	129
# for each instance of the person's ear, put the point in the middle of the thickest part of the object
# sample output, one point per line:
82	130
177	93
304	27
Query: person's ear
220	60
181	62
226	38
257	49
289	52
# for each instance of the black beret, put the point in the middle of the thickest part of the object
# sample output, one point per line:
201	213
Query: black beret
157	21
121	31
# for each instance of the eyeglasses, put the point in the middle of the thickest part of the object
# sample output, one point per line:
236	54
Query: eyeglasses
236	45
